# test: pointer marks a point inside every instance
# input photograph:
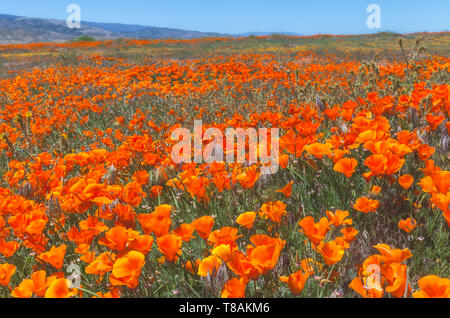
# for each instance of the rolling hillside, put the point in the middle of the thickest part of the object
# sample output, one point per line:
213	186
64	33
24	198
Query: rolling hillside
15	29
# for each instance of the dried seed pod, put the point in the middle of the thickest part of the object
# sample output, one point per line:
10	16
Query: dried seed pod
26	190
53	207
320	105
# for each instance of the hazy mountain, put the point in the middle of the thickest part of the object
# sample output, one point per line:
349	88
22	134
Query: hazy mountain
15	29
256	33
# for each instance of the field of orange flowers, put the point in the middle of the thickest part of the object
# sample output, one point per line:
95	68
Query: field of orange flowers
92	204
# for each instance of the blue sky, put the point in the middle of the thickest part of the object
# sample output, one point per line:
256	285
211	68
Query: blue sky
237	16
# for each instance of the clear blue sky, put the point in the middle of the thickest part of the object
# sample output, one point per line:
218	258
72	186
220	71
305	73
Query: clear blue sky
236	16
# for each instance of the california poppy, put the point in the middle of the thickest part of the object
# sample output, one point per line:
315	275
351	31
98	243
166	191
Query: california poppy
314	231
433	286
346	166
246	219
365	205
273	211
170	246
405	181
209	265
234	288
296	281
55	256
157	222
6	271
59	288
127	269
389	255
203	225
286	190
407	225
331	252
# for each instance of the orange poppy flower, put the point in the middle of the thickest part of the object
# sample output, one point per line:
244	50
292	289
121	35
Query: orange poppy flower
441	179
8	248
314	231
203	225
434	121
349	234
366	205
133	194
296	281
433	286
185	231
26	289
389	255
405	181
226	235
427	184
126	270
369	284
222	251
246	219
407	225
142	243
346	166
93	223
6	271
190	267
425	151
248	177
331	252
101	264
396	276
309	266
337	154
59	288
447	216
115	293
430	168
55	256
377	163
234	288
141	177
170	246
286	190
116	238
260	258
157	222
273	211
156	190
358	285
375	189
240	265
318	150
283	161
209	266
264	257
338	218
394	164
263	239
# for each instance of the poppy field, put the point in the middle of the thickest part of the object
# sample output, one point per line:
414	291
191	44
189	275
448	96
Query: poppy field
92	203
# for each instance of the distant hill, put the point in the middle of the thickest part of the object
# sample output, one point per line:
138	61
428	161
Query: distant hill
267	33
16	29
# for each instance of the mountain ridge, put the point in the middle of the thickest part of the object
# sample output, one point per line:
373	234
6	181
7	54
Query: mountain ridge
19	29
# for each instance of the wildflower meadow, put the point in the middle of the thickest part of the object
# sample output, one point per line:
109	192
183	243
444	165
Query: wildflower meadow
355	130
